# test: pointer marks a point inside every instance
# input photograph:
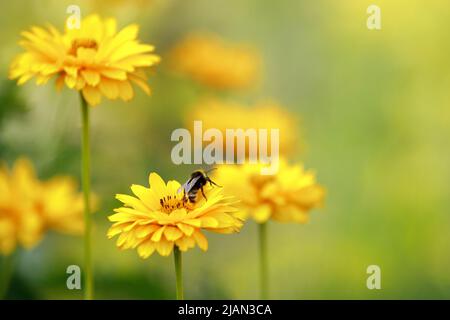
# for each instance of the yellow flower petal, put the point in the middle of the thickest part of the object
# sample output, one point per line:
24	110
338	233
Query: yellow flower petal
131	202
209	222
201	240
147	196
172	233
262	213
157	185
164	247
92	77
109	88
92	95
143	231
187	230
157	235
185	243
125	90
145	249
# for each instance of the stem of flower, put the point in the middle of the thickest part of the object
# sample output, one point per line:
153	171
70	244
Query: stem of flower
262	232
7	263
86	182
179	272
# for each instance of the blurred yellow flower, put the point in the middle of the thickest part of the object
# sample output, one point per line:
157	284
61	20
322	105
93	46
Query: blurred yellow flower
94	59
212	61
29	207
62	206
160	217
268	115
287	196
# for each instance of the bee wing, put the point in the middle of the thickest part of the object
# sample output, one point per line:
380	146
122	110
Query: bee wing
187	186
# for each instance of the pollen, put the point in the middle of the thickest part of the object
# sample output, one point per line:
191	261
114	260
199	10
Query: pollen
82	43
172	202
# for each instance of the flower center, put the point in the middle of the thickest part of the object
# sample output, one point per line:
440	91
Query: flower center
171	203
82	43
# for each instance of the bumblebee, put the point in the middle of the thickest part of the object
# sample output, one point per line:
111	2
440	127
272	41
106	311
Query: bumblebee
198	179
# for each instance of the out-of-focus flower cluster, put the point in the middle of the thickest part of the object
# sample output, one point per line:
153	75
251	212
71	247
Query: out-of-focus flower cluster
223	115
287	196
30	207
290	193
211	61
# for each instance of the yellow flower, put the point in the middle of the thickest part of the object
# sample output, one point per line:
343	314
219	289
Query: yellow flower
19	220
62	206
211	61
263	115
94	59
287	196
29	207
159	217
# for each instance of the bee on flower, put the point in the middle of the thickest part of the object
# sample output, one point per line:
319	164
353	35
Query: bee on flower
170	217
160	217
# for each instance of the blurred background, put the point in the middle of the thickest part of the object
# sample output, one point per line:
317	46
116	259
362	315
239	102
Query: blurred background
375	123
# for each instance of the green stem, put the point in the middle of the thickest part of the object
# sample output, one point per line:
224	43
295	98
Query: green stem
86	182
262	231
179	272
7	263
